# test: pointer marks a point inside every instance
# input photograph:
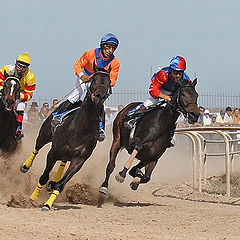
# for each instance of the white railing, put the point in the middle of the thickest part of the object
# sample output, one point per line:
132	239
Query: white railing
200	154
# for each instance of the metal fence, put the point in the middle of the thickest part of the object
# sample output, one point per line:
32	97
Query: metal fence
208	100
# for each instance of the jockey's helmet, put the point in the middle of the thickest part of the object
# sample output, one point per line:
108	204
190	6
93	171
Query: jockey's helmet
109	39
178	63
24	58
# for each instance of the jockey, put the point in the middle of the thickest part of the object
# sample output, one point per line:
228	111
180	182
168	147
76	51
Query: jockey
162	85
83	68
27	83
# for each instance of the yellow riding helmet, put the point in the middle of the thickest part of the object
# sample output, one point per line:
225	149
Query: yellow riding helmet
24	58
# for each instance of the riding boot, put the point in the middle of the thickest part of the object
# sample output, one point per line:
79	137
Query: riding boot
57	116
19	132
134	115
101	133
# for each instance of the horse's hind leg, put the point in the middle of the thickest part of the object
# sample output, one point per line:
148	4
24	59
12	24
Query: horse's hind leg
111	164
57	176
51	160
44	137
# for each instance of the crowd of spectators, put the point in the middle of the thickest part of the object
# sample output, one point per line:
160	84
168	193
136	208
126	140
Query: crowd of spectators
227	117
34	117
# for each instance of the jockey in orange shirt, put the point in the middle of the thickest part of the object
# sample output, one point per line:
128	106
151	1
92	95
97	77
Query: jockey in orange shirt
83	68
27	83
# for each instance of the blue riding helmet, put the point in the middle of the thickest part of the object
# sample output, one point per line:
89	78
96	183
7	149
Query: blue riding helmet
110	39
178	63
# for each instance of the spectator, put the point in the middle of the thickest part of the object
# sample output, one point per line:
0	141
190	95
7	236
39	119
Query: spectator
44	112
55	104
109	118
181	121
32	122
220	118
228	116
213	120
200	118
120	107
235	116
206	118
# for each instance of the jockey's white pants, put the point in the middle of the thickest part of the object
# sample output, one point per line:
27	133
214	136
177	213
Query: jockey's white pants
79	91
20	106
153	101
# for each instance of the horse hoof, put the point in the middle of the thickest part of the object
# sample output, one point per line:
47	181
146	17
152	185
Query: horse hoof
23	168
45	208
103	190
49	186
119	178
134	186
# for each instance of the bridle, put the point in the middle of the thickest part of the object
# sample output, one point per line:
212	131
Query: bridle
17	96
91	92
181	107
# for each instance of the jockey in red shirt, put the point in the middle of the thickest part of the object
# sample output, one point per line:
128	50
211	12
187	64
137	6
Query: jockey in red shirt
83	68
163	82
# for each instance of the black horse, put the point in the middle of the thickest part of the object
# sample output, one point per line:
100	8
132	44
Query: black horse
8	122
74	140
151	135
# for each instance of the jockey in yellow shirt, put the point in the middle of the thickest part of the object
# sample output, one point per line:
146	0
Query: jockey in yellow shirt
83	68
27	83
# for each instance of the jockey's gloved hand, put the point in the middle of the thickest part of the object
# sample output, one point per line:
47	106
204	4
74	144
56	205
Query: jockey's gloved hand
84	78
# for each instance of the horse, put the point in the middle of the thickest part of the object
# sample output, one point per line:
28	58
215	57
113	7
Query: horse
10	93
151	136
74	140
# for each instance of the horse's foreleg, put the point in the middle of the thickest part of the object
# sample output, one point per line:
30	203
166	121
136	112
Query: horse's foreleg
45	176
25	166
120	177
111	165
139	179
74	167
44	137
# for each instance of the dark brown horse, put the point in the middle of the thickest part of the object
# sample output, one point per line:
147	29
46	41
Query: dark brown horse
8	123
151	135
74	140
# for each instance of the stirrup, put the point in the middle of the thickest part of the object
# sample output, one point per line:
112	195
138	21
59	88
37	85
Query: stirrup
101	135
56	121
171	143
130	123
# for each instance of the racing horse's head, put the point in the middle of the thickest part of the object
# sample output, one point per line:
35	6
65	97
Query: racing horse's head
185	97
10	92
100	88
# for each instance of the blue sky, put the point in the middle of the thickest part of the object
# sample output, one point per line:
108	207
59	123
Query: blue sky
56	33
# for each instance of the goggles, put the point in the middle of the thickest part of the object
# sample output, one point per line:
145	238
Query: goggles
177	72
21	66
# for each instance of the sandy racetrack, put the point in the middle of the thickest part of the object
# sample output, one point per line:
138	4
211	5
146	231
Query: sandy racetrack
166	208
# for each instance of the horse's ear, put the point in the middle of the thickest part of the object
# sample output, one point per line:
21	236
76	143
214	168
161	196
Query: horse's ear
109	69
94	67
194	82
6	75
